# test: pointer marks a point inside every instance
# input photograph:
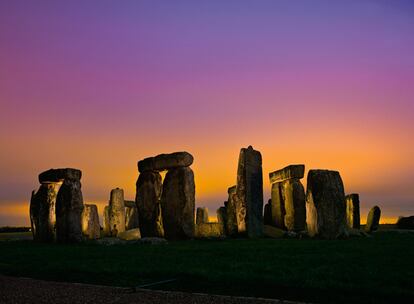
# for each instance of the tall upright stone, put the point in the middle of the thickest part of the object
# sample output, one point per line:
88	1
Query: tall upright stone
149	187
373	219
202	215
90	222
222	218
249	191
131	217
69	205
288	209
178	203
116	212
105	222
325	204
42	211
231	213
352	211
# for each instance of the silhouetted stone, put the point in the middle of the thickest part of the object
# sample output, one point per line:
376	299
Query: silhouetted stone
249	192
105	222
373	219
325	204
289	172
277	208
178	203
222	218
149	186
294	205
129	204
352	211
69	207
201	215
405	222
209	230
231	224
130	235
58	175
90	222
42	211
164	162
131	217
267	218
116	212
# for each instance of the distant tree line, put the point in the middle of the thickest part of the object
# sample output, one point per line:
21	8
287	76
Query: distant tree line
14	229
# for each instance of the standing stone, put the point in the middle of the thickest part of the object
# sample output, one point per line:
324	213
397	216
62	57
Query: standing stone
131	218
405	222
90	222
164	162
249	191
222	218
277	208
231	224
352	211
105	221
267	218
294	205
373	219
42	211
149	187
202	215
116	212
178	203
69	207
325	204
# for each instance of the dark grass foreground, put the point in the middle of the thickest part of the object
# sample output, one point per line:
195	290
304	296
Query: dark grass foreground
379	269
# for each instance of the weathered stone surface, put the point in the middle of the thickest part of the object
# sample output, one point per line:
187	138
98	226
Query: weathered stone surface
267	218
129	204
289	172
222	218
58	175
231	224
325	204
164	162
373	219
249	192
149	187
209	230
90	222
202	215
131	217
69	207
42	212
105	221
129	235
352	211
116	212
294	205
277	208
273	232
178	203
405	222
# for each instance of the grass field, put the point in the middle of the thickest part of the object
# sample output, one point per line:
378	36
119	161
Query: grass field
379	269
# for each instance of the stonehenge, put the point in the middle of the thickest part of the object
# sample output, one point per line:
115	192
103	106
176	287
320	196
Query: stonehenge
90	222
352	211
287	205
373	219
166	208
56	208
405	222
325	204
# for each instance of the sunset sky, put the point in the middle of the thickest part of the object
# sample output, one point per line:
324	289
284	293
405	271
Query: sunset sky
99	85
